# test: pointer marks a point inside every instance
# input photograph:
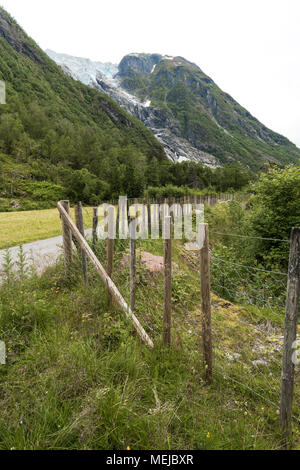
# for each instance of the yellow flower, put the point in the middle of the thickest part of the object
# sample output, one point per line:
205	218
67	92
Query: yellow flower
208	435
128	448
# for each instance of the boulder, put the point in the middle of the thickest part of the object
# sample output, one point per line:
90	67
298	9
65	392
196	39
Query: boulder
153	263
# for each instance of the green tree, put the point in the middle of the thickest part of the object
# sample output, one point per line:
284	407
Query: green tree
275	209
11	130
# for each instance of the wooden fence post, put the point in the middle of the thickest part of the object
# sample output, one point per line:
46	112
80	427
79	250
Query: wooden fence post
167	281
132	264
80	225
67	236
290	334
110	260
205	302
95	226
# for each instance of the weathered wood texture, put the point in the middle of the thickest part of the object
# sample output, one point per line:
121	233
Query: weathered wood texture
290	333
132	265
206	303
67	236
80	225
167	284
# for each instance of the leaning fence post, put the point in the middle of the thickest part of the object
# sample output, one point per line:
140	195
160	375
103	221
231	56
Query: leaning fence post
67	236
80	226
132	264
205	302
118	298
167	235
95	226
290	334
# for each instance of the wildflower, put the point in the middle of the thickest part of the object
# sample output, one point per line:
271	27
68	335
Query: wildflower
128	448
208	435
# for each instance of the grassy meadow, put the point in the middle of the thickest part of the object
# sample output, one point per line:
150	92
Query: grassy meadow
77	377
24	227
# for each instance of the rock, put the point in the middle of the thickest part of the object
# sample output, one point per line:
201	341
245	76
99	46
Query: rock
153	263
15	204
233	356
259	362
159	121
143	63
16	37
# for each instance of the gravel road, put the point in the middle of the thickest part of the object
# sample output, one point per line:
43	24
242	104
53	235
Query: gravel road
41	254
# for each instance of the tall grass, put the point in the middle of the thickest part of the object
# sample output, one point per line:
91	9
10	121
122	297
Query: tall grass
77	377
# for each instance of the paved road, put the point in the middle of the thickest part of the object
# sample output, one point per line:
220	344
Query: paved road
41	254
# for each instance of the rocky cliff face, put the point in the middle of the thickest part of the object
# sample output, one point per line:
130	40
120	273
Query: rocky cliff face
142	63
159	121
187	112
16	37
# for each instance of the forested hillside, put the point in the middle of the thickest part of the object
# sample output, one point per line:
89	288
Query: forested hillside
62	139
58	137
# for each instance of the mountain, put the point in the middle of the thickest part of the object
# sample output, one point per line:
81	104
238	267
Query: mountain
58	137
190	115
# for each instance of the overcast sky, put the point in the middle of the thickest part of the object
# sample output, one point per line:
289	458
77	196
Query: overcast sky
250	48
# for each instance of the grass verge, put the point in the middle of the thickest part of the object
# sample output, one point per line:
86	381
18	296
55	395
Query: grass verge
78	378
24	227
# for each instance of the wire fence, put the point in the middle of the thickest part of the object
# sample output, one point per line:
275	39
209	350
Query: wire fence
248	305
253	317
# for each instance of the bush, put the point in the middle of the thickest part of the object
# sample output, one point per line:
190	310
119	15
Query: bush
42	190
275	209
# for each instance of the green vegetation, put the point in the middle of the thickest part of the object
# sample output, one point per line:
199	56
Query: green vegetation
188	178
18	228
271	212
62	139
206	116
56	130
77	377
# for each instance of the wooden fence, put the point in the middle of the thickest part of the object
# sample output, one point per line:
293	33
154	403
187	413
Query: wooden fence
69	229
